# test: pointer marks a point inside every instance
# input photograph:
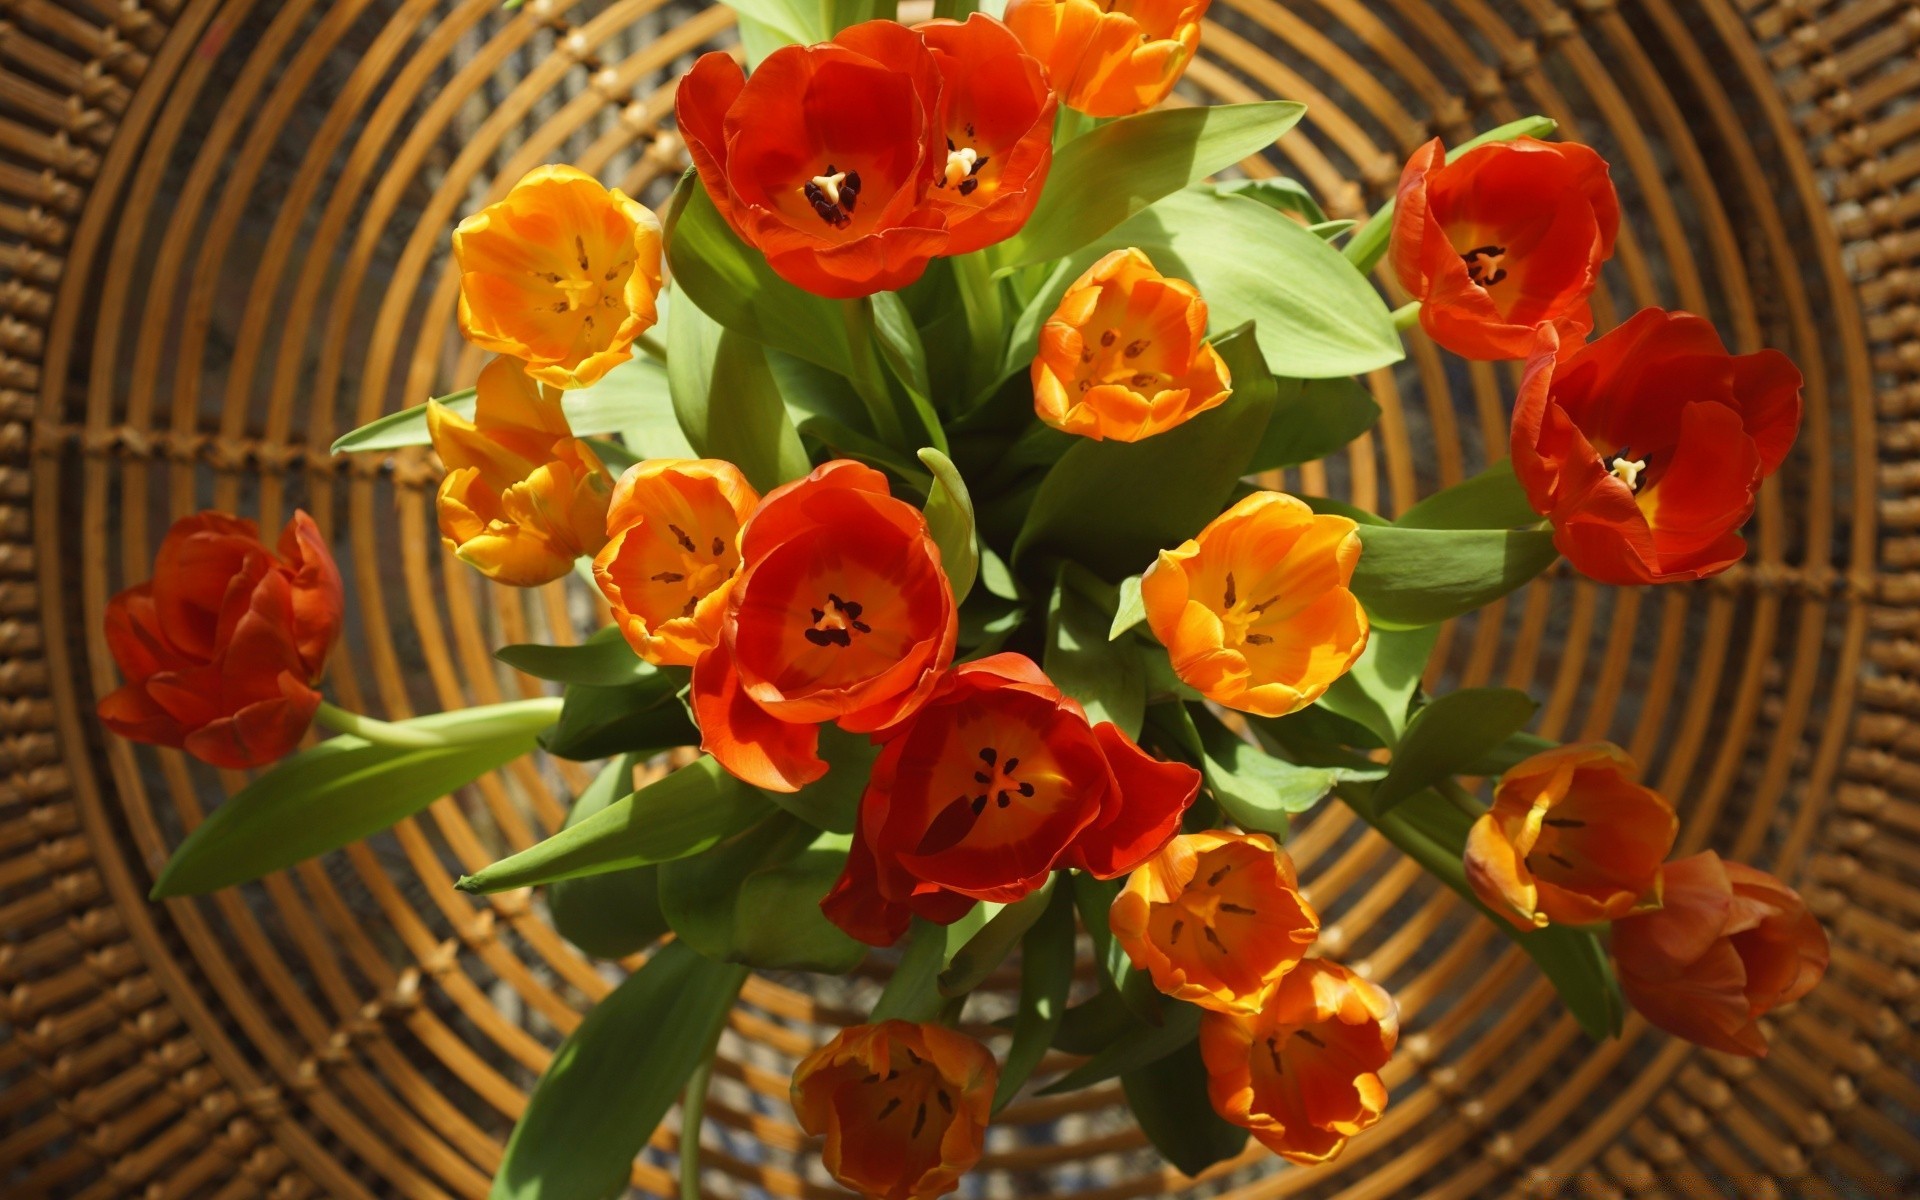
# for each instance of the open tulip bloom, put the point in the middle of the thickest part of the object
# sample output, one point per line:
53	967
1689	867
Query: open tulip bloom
921	459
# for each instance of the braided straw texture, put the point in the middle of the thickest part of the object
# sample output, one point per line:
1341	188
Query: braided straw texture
224	240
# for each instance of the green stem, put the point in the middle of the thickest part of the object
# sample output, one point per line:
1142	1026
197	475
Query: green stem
693	1113
985	307
913	994
869	377
407	735
1406	316
651	348
1460	798
1070	124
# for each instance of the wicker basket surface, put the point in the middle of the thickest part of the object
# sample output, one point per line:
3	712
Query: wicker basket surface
223	241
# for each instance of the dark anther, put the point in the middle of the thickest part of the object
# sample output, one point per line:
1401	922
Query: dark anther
988	754
1232	596
1214	938
967	185
1563	862
580	248
668	577
1258	639
1141	380
888	1110
919	1120
1173	937
946	1101
1273	1052
1109	337
1013	764
719	547
1002	799
1309	1035
977	164
970	133
979	804
1565	823
1239	909
950	146
982	777
871	1078
1475	266
829	637
692	604
850	186
1137	347
680	535
1214	879
1026	789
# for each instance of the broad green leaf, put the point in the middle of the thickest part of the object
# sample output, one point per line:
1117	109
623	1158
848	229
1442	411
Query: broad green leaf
727	399
1340	508
613	456
899	341
647	422
1414	577
618	913
1100	179
1093	1024
1316	317
913	994
842	13
1370	244
342	790
619	400
1313	418
987	949
1260	792
847	442
1106	678
950	520
1377	691
1169	1101
1112	506
1493	499
1509	754
615	1077
755	899
1093	899
954	10
1147	1044
797	22
832	802
1130	610
689	811
733	284
1283	194
634	718
1046	976
1446	736
603	660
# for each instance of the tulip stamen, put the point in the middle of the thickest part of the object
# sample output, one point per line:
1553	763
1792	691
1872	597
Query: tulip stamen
1240	910
1308	1034
833	195
836	624
1565	823
919	1119
1273	1052
1137	347
1173	938
680	535
1483	265
1214	938
888	1110
668	577
1214	879
1628	470
946	1101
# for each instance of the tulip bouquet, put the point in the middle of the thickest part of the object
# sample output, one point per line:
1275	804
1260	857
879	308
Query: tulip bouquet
917	459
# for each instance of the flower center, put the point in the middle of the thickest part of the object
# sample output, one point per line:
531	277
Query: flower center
963	164
833	195
996	776
699	573
1202	905
1117	364
836	624
1239	616
589	289
908	1094
1484	264
1627	470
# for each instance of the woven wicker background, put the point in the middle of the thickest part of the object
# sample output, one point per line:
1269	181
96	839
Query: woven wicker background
223	240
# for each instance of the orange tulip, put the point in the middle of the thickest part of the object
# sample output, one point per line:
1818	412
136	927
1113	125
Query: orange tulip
999	128
1571	839
1124	354
903	1107
1255	613
563	273
221	649
672	531
522	497
1302	1074
1110	58
1729	944
1216	918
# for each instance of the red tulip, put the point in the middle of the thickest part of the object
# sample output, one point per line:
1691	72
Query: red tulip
221	648
999	131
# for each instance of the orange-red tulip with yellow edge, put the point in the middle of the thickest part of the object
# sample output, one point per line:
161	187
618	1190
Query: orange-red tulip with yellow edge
1729	944
1506	237
563	273
840	612
1110	58
522	498
903	1107
1256	613
1571	839
1647	446
222	647
1302	1074
999	126
1216	918
1124	356
672	534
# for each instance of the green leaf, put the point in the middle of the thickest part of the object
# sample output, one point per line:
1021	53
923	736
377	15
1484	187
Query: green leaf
899	341
1112	506
631	389
1447	735
1147	1044
913	994
1281	194
727	399
1107	679
1094	1024
1169	1101
1509	754
1330	231
645	418
847	442
342	790
1377	691
603	660
641	717
843	13
1102	178
832	802
1413	577
755	899
987	949
1260	792
1493	499
1313	418
732	283
684	813
950	520
1129	610
1046	976
617	913
615	1077
797	22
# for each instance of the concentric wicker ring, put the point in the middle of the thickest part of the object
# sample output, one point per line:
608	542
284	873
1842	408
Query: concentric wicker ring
223	241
